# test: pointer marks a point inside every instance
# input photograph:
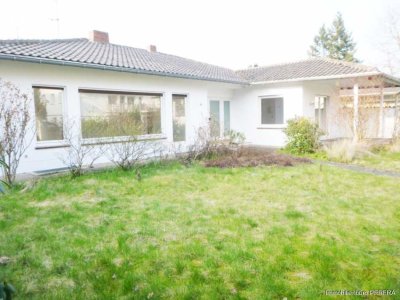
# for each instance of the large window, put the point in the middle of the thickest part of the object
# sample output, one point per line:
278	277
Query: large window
272	110
179	117
49	113
109	114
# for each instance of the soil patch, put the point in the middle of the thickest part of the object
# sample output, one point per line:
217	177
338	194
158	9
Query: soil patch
255	157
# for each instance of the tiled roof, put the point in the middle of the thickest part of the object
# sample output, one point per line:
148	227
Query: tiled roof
82	52
304	69
110	56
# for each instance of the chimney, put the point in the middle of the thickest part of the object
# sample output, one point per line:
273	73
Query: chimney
152	48
99	36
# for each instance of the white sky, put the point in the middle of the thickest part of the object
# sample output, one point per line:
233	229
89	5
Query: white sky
233	33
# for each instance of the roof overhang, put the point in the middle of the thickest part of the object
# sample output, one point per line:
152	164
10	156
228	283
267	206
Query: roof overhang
391	80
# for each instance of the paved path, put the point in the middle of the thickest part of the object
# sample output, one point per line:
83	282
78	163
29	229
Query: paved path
360	169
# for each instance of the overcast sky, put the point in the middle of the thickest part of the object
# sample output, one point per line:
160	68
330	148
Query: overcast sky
233	33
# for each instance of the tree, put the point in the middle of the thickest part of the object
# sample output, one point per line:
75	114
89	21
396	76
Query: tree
335	42
16	128
320	46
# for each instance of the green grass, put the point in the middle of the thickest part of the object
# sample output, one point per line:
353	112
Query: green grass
382	160
189	233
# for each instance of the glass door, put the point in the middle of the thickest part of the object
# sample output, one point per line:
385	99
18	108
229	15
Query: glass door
215	124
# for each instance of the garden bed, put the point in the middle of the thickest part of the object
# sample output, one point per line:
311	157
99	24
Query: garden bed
252	157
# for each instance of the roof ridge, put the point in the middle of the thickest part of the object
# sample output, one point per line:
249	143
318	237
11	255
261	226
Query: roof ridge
327	59
350	64
280	63
168	54
26	41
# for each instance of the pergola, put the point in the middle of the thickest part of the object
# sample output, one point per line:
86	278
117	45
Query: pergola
375	84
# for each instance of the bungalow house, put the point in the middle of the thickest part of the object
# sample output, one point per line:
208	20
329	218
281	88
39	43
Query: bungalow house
89	79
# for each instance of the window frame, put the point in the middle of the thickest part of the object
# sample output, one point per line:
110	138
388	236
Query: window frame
52	143
116	139
186	95
271	126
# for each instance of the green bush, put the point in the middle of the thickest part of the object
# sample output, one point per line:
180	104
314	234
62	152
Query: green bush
3	183
303	136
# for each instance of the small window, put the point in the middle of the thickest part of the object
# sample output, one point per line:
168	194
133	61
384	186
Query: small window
179	117
272	111
49	113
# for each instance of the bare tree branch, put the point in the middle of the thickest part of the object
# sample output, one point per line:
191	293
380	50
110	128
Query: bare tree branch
16	129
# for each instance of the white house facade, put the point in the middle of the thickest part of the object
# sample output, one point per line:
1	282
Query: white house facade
81	81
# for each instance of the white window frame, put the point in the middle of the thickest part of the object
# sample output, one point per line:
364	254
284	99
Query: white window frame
53	143
271	126
187	95
221	113
156	136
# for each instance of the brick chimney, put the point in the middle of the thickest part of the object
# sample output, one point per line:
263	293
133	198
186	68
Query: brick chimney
99	36
152	48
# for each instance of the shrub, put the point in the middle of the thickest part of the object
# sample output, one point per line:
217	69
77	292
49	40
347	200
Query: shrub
303	136
394	146
235	137
346	150
2	182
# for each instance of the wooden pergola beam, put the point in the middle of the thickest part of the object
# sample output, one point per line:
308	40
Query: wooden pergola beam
355	112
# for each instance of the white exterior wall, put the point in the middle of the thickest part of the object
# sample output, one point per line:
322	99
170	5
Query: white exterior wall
336	126
25	75
246	112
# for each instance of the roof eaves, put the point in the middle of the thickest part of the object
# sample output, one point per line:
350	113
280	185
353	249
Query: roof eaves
344	76
24	58
393	79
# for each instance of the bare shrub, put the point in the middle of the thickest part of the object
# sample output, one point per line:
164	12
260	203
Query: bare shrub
394	146
205	144
129	152
346	150
126	150
79	154
16	128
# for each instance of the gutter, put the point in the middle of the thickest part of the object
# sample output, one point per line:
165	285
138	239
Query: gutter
392	79
110	68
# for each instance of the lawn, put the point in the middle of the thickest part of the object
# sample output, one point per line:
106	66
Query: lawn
208	233
382	160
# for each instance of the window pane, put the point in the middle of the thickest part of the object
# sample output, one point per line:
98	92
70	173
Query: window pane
272	111
178	118
214	118
227	116
109	115
49	114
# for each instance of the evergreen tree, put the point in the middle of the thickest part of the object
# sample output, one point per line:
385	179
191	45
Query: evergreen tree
335	42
